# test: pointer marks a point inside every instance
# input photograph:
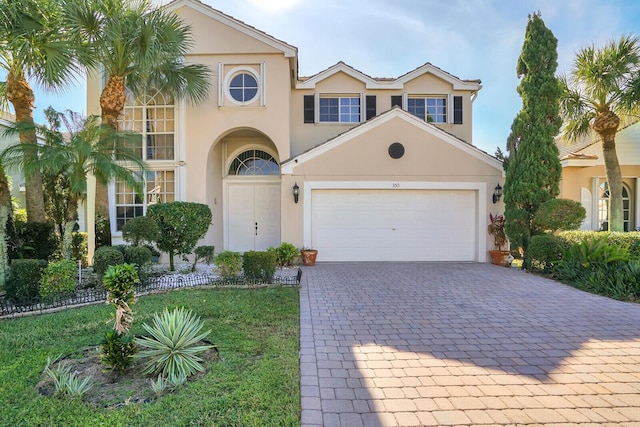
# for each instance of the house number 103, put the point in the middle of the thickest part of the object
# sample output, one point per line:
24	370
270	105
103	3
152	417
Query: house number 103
395	185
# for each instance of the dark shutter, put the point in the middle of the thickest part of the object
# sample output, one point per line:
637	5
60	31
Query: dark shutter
396	100
457	110
371	106
309	108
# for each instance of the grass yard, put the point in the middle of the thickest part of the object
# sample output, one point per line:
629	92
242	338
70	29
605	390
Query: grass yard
255	382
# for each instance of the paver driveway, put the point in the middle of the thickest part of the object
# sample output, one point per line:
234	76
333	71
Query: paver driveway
462	344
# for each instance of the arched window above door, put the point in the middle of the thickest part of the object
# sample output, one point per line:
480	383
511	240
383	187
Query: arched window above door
254	162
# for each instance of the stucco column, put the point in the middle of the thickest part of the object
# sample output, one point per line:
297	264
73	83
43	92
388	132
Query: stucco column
91	217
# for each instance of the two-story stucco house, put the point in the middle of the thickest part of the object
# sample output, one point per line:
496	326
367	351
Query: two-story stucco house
385	167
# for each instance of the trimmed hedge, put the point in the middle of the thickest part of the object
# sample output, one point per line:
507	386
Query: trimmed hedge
24	278
58	279
260	266
104	257
631	240
544	251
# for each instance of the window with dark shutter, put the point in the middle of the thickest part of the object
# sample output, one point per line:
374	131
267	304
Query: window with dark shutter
457	110
371	106
396	100
309	109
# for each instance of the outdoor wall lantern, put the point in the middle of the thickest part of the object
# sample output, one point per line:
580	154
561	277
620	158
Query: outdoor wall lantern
296	192
497	193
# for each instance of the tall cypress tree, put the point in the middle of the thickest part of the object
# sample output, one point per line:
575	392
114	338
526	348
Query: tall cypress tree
533	168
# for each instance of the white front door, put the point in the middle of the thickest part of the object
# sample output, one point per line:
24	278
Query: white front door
253	216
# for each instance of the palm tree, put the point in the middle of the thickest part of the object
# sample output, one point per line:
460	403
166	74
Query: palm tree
137	47
601	92
33	47
5	213
86	147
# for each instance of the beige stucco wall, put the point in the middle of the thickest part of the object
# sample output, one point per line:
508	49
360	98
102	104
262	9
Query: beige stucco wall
427	158
306	135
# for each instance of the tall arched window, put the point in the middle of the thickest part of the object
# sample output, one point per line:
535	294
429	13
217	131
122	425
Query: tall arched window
254	162
152	116
603	207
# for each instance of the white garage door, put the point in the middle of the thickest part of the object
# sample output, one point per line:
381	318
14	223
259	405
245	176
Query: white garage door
394	225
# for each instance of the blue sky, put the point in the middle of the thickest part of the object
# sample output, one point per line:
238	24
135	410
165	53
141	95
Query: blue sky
471	39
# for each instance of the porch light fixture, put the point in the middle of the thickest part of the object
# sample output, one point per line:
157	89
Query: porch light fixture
296	192
497	193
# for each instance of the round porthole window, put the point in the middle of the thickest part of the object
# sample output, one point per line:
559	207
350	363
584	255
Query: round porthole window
243	87
396	150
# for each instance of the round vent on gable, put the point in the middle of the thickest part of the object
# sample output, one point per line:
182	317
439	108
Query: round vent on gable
396	150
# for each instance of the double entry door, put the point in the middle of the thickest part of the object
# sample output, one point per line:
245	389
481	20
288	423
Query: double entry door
253	216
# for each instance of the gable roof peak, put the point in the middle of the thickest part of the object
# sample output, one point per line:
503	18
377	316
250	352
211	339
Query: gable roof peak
386	82
286	48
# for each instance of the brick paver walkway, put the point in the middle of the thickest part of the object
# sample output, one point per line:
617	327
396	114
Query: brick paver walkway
408	344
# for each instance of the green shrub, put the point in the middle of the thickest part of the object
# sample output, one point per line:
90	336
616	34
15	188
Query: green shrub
140	230
79	247
630	240
559	214
65	381
228	264
117	351
138	255
163	384
600	267
203	253
104	257
596	251
172	349
181	225
58	279
37	240
24	279
544	251
259	266
286	253
119	281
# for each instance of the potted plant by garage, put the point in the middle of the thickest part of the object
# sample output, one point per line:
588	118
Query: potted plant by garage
496	229
308	256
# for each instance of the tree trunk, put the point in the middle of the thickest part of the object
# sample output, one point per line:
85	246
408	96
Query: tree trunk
5	209
20	94
69	223
112	101
606	125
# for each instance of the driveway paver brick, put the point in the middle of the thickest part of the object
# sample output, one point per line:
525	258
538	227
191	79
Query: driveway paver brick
408	344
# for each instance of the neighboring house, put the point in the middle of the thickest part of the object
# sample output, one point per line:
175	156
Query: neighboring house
584	179
385	168
16	178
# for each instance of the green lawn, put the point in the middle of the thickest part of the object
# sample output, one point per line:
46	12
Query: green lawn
256	382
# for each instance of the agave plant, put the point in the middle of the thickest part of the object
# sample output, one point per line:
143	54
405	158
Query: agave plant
171	348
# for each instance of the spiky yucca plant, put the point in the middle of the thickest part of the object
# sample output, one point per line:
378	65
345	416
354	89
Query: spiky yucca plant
171	348
66	381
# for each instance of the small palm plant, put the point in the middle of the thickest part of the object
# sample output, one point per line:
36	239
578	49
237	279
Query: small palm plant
171	348
117	350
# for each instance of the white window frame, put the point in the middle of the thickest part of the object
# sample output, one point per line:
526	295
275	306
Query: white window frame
224	92
359	97
141	104
424	98
148	193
